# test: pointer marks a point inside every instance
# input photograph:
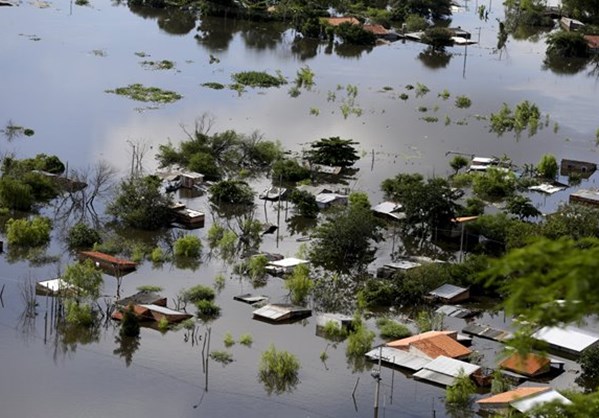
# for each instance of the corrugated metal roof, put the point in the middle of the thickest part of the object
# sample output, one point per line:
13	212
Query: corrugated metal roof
512	395
162	309
448	291
387	207
398	357
525	405
453	311
55	285
451	367
569	338
587	194
277	312
435	377
288	262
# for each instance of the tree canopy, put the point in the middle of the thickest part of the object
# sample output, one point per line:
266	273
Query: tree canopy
333	151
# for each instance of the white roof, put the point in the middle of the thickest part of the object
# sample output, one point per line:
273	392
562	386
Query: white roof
447	291
288	262
278	311
323	319
547	188
387	207
484	160
528	403
162	310
444	370
398	357
403	265
55	285
587	194
192	212
192	175
459	40
570	338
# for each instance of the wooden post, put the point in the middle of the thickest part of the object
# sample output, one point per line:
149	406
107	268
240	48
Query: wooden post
377	377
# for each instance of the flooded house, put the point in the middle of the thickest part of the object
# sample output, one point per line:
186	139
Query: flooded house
110	264
391	211
529	365
55	287
582	168
149	306
586	196
570	340
281	312
285	265
191	180
432	344
521	399
444	370
449	293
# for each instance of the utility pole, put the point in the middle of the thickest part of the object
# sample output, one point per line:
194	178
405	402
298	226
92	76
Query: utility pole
376	374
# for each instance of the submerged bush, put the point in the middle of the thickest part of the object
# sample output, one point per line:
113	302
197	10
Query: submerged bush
188	246
258	79
28	233
391	330
146	94
221	356
278	370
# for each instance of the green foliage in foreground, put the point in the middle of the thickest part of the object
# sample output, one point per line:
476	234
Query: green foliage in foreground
258	79
462	390
146	94
28	233
278	370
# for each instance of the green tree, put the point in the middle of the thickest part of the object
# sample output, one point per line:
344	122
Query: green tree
344	242
28	233
494	184
278	370
289	170
233	192
458	162
567	45
572	220
359	199
460	393
547	167
14	194
305	203
438	38
86	279
522	207
82	236
299	284
129	324
333	151
589	366
354	34
140	204
188	246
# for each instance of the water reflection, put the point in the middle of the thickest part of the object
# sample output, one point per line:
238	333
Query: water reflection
216	34
561	66
175	22
69	336
127	346
434	59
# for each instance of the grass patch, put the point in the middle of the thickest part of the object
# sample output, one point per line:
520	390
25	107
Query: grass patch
444	94
258	79
146	94
213	85
229	341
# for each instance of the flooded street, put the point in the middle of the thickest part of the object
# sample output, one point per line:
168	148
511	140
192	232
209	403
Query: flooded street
57	63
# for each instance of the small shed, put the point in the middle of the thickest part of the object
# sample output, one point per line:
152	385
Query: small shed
585	169
191	179
449	293
326	200
109	263
443	370
455	311
389	269
530	365
342	321
54	287
190	218
143	297
587	196
280	312
569	24
389	210
547	188
570	339
250	299
284	266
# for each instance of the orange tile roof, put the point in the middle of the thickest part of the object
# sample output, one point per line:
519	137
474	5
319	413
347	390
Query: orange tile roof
529	365
376	29
405	342
512	395
433	344
592	41
336	21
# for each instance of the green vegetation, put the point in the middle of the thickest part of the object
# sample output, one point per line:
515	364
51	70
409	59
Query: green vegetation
219	282
146	94
28	233
525	115
258	79
428	321
246	339
197	293
158	256
213	85
232	192
158	65
12	131
360	339
415	23
229	341
421	89
444	94
438	38
299	284
333	151
391	330
149	288
494	184
82	236
163	325
333	331
305	203
129	324
140	204
290	170
565	44
354	34
78	314
304	78
86	279
589	366
461	391
547	167
430	119
463	102
458	162
222	357
278	370
188	246
207	309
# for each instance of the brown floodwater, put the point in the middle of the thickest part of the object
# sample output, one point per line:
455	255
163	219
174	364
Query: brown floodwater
56	64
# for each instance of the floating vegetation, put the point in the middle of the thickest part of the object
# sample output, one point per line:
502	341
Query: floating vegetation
409	87
556	129
258	79
462	122
463	102
314	111
213	85
421	89
305	78
149	288
222	357
246	339
229	341
422	109
146	94
444	94
387	88
447	120
158	65
331	96
34	38
391	330
99	52
430	119
12	131
525	115
239	88
404	96
141	54
278	371
82	2
294	91
348	105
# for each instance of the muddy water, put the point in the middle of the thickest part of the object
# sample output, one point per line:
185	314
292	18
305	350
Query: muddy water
57	62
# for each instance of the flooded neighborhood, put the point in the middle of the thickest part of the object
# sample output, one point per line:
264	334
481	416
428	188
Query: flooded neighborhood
219	208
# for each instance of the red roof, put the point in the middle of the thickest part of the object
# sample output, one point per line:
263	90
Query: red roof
433	344
336	21
512	395
376	29
592	41
106	258
530	365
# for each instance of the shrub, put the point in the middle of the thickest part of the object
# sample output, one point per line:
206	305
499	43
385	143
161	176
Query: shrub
305	203
359	341
229	341
232	191
15	194
246	339
149	288
333	331
207	308
258	79
289	170
221	356
458	162
79	314
163	324
82	236
278	370
299	284
28	233
197	293
589	365
547	167
461	391
257	266
157	255
391	330
463	102
354	34
188	246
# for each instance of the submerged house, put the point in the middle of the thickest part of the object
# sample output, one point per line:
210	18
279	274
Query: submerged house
587	196
521	399
285	265
569	340
449	293
389	210
149	306
444	370
569	24
55	287
108	263
583	168
530	365
281	312
432	344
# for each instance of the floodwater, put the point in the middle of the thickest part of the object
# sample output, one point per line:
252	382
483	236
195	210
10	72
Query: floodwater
57	61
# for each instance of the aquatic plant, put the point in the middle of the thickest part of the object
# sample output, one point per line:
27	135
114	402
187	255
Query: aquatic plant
314	111
197	293
421	89
404	96
188	246
213	85
278	370
430	119
305	78
82	236
333	331
28	233
219	282
207	308
163	324
158	65
360	340
157	255
299	284
444	94
258	79
222	357
149	288
229	341
461	391
463	102
146	94
246	339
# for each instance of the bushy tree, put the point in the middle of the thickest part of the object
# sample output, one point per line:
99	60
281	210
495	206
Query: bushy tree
82	236
547	166
86	279
278	370
140	204
14	194
188	246
438	38
333	151
354	34
345	241
289	170
28	233
458	162
522	207
566	44
233	192
494	184
299	284
460	393
305	203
